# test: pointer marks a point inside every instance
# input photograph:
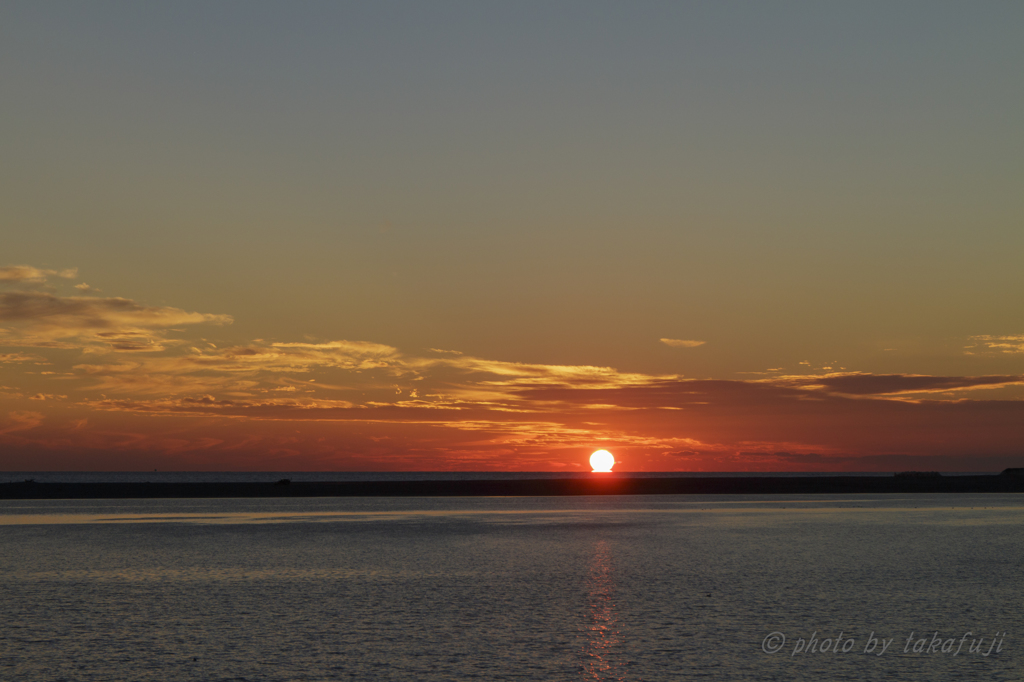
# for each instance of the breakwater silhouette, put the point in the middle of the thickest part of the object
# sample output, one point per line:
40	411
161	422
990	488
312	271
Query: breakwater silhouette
594	485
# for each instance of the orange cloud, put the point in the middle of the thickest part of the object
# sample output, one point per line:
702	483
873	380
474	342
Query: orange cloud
681	343
21	420
47	320
22	357
27	273
863	384
1012	343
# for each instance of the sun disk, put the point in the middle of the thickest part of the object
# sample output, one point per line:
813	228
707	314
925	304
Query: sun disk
602	460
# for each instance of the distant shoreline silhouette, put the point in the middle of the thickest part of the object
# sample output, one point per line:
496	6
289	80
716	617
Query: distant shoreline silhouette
1010	481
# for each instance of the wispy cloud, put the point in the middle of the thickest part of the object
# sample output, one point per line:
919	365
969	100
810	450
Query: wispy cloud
260	367
863	384
1013	343
681	343
21	420
29	274
22	357
47	320
524	374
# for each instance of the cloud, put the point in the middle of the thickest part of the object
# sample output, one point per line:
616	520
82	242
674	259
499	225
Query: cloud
861	384
20	420
786	418
159	378
376	372
523	374
29	274
681	343
22	357
47	320
357	355
205	404
660	394
1013	343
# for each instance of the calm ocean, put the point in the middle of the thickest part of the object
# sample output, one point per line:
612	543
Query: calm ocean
854	587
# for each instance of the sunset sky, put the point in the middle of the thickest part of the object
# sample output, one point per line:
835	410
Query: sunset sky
717	236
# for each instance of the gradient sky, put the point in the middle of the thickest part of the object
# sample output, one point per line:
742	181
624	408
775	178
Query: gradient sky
730	236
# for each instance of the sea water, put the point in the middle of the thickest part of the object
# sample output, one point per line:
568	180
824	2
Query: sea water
840	587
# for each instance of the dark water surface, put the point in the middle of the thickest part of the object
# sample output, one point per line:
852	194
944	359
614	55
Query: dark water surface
630	588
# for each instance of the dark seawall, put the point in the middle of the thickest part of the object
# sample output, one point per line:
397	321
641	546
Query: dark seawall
597	485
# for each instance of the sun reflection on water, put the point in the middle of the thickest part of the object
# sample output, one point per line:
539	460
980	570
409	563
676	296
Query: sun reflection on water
601	637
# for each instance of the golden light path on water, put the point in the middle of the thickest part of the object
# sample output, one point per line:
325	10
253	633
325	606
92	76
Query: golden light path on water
601	657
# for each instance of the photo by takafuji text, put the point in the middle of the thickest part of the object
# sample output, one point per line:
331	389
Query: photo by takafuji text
876	645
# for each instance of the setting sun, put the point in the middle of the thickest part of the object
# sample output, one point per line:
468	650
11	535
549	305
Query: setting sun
602	460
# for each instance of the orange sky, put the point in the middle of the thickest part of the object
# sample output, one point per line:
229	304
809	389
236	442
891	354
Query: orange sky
457	236
98	382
